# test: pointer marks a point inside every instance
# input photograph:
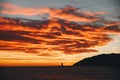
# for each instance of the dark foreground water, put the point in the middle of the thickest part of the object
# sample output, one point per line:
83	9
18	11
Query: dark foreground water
59	73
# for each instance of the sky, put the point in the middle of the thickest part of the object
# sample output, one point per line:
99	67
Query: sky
51	32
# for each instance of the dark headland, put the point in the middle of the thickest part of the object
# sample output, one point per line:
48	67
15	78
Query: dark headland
109	60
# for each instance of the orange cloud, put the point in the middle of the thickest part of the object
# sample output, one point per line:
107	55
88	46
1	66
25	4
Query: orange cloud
14	9
60	34
113	27
53	37
67	13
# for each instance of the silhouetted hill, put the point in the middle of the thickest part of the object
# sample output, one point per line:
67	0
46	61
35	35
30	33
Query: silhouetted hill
112	60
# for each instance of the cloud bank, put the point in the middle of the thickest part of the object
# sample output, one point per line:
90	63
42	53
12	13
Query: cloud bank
67	30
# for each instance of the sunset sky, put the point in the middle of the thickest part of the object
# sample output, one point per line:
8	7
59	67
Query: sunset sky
51	32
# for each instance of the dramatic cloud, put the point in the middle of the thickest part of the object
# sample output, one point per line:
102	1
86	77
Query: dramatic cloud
67	31
68	13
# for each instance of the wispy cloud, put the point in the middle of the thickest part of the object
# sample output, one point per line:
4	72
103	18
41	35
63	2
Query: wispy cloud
67	13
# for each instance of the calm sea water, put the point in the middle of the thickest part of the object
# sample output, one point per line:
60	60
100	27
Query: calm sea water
59	73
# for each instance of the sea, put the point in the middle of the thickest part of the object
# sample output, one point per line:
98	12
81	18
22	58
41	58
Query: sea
60	73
